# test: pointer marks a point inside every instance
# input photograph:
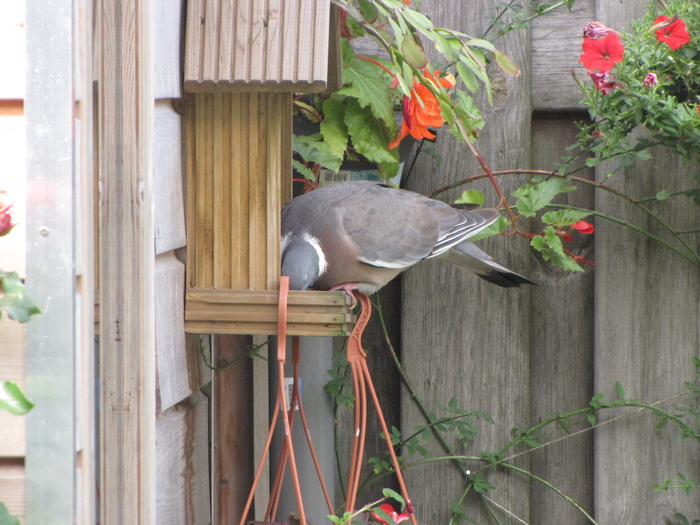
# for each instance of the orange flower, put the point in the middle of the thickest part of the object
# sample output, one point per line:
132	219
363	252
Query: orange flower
418	118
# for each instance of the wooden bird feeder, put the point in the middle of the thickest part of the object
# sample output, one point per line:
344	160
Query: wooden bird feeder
243	61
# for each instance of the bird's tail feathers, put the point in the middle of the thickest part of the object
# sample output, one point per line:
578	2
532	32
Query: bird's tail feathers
467	256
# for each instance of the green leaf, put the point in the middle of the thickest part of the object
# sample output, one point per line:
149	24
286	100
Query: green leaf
532	198
506	65
316	152
495	228
484	44
333	127
471	197
12	399
306	172
467	77
413	53
10	283
563	218
6	518
393	494
369	136
368	10
368	84
550	246
663	195
591	419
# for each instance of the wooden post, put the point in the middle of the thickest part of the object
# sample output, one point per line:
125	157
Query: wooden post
127	349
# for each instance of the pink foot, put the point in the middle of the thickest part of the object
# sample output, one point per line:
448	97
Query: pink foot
348	289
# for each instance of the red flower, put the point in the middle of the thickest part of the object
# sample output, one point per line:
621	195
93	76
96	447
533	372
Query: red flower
583	227
389	511
602	53
567	237
418	118
5	220
674	34
603	83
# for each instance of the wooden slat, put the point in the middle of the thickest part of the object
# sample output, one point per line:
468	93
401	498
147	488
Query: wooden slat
247	312
182	463
259	45
463	337
232	429
556	48
646	320
240	156
561	381
127	367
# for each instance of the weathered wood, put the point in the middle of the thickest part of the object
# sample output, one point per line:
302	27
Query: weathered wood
127	364
172	373
561	360
168	18
462	337
232	429
556	48
182	463
259	45
168	200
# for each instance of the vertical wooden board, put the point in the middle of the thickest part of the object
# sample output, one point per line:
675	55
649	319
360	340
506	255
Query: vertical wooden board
239	187
226	37
12	427
182	463
169	204
556	48
173	383
244	46
210	42
222	198
462	337
257	173
561	363
646	334
127	364
191	171
204	171
193	38
232	429
167	37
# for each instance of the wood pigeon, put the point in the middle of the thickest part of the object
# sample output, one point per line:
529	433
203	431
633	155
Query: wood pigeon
360	235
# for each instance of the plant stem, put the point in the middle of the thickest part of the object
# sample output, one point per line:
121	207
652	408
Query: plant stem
412	391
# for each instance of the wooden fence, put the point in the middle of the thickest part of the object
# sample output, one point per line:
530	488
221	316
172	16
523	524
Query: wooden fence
521	355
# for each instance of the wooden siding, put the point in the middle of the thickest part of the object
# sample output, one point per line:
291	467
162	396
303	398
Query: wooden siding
260	45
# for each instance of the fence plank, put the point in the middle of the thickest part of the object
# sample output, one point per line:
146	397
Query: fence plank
561	361
646	333
556	47
462	337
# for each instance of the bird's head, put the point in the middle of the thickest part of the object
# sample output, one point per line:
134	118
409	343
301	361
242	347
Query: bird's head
301	263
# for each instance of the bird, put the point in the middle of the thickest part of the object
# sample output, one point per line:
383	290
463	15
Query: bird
359	235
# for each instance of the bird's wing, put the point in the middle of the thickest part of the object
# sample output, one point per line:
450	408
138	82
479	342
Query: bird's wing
396	229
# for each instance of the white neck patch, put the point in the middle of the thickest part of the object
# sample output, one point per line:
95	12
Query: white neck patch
313	241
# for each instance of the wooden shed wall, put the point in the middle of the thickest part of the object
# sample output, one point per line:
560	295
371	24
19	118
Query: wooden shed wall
522	354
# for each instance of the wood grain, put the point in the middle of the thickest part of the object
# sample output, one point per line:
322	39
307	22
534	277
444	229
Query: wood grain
168	173
182	463
561	358
556	48
172	379
257	46
127	365
462	337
